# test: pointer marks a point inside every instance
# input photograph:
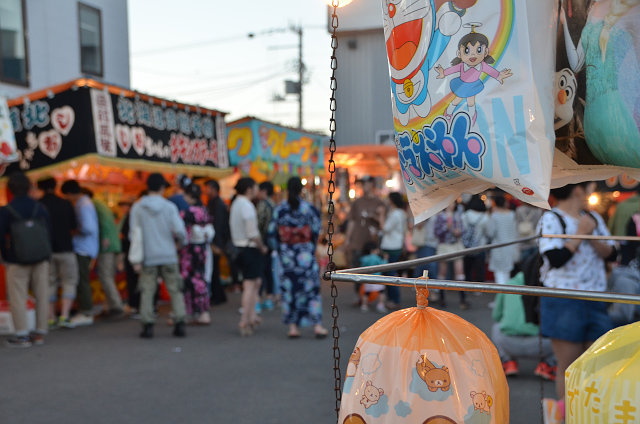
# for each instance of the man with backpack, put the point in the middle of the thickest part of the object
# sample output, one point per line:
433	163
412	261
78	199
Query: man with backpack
25	231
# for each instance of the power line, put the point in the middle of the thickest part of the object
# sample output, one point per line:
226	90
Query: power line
228	87
189	45
155	72
234	38
200	79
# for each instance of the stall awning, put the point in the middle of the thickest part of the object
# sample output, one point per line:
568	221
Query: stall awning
85	122
367	159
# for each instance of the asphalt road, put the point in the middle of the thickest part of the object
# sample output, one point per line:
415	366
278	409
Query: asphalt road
106	374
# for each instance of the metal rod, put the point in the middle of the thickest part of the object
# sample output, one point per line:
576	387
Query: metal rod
487	288
591	237
435	258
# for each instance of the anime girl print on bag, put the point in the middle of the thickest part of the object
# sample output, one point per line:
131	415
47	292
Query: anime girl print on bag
416	33
472	60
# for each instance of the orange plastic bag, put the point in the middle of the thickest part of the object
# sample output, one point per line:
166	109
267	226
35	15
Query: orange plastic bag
422	365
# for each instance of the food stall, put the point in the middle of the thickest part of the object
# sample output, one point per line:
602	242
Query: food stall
109	138
268	151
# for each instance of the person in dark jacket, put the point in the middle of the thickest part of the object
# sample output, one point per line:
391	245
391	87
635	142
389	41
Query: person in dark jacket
219	212
22	276
63	267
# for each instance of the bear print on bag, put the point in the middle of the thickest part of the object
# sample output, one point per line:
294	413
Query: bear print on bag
354	360
436	378
481	401
371	395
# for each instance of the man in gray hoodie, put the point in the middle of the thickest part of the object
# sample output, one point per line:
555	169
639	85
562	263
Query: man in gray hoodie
163	231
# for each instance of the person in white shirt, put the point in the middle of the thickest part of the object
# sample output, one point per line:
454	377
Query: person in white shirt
245	236
393	234
572	324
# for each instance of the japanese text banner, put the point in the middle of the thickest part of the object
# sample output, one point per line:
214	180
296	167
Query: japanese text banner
471	86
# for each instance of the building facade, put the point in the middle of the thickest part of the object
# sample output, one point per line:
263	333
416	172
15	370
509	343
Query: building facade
364	113
44	42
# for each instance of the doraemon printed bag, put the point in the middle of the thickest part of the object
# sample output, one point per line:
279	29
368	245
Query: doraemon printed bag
471	84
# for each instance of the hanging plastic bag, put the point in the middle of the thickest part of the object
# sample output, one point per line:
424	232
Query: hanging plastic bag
603	384
423	365
472	86
8	149
597	91
598	83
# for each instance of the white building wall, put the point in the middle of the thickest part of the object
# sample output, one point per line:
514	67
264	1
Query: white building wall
364	94
53	44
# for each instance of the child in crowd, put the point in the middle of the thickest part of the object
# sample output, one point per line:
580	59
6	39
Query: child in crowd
371	256
516	334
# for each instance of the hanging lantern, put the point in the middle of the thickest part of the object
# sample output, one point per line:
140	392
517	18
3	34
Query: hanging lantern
602	385
422	365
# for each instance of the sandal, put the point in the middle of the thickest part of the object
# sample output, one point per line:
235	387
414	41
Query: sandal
256	322
203	319
293	335
294	332
321	333
245	330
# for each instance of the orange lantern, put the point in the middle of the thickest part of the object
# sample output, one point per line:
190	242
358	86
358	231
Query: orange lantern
427	366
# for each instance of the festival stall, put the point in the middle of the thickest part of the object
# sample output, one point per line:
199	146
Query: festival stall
268	151
373	160
109	138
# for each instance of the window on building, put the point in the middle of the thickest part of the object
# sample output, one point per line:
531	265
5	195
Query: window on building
90	23
13	44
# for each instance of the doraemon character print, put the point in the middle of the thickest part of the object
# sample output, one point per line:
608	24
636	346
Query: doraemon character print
416	33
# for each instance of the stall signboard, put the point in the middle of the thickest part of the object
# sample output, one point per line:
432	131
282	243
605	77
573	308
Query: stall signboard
93	120
618	183
8	150
290	151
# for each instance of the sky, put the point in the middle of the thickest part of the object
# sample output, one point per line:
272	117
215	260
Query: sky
198	52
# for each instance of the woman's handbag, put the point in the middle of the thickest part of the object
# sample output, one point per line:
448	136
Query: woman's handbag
136	248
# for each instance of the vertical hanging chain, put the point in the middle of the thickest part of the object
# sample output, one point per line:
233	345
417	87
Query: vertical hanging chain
331	188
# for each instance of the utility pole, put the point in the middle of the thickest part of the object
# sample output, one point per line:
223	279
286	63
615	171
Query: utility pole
300	75
291	87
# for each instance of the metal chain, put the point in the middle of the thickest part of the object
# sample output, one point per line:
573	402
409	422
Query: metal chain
331	266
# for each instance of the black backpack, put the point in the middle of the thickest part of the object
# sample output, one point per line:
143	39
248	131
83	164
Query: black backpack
530	267
29	237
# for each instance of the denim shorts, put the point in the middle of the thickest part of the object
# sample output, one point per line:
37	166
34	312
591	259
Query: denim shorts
573	320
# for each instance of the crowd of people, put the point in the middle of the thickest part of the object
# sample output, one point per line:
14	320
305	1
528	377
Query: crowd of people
51	243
